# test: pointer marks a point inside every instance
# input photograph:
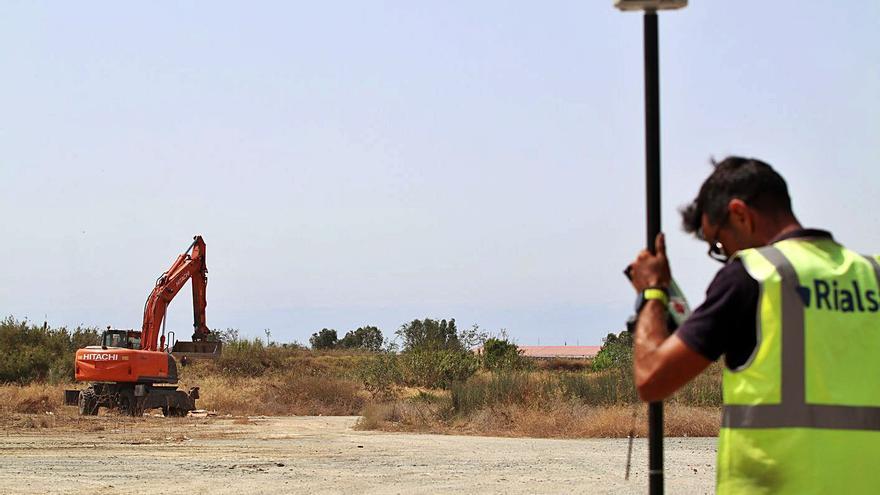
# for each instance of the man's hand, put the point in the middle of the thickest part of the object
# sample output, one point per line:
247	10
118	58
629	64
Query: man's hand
662	364
651	270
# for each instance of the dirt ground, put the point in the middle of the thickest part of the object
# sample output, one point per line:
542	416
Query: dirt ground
325	455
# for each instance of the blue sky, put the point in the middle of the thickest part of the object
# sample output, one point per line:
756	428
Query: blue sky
355	163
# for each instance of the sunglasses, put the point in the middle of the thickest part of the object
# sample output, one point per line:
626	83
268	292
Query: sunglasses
716	249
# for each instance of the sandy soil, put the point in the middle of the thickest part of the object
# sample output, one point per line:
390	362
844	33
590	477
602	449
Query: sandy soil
325	455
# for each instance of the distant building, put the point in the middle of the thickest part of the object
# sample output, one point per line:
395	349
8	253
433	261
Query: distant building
560	351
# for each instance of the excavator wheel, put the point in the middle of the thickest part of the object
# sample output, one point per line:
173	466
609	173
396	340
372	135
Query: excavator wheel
129	405
173	412
88	402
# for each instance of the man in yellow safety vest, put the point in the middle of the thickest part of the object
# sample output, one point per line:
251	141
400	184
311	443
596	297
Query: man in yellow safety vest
795	315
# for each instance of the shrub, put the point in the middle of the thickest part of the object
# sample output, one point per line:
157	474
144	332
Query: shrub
616	352
367	338
380	374
500	353
40	353
435	353
437	368
428	334
325	339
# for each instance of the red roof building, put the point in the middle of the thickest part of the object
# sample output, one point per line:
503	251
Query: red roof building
560	351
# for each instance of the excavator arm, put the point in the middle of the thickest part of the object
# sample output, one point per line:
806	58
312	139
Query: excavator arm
189	265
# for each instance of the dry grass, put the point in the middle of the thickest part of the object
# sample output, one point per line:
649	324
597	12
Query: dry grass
580	421
248	359
409	416
562	364
35	398
560	420
280	395
39	406
550	404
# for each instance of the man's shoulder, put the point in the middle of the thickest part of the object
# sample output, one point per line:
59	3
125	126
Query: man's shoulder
721	324
733	274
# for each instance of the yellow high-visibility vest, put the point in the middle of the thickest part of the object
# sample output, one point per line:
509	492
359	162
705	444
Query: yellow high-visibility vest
802	415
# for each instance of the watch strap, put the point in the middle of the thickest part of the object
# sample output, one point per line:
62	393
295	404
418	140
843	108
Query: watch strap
656	293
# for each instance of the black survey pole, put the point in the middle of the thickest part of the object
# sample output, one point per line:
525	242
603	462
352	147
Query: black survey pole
652	207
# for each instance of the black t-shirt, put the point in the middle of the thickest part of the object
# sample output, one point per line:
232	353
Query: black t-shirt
726	321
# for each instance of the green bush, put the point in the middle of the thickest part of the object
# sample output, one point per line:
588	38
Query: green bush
502	354
436	354
431	335
325	339
40	353
380	374
437	368
616	352
367	338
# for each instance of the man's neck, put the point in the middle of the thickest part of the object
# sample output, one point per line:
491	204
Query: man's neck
780	228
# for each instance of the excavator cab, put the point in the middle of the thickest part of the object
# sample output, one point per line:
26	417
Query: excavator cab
126	339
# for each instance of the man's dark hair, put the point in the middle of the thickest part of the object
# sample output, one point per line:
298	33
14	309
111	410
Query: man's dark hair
735	177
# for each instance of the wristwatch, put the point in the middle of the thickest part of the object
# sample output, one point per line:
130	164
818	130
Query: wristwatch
652	293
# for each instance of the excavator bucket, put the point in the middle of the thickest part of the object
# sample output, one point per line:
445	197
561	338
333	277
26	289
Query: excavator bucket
196	350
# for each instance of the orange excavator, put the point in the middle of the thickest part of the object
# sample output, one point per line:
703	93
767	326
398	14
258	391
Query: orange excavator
136	370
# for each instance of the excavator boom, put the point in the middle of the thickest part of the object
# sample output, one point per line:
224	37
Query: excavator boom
189	265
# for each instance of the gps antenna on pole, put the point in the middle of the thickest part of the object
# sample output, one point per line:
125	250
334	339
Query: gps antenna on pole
652	183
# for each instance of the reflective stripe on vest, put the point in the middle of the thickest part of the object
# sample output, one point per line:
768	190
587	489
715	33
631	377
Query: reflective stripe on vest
793	411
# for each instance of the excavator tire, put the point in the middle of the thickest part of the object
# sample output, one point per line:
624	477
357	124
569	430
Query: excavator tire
174	412
129	405
88	402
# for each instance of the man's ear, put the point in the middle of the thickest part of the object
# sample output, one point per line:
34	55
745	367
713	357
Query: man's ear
741	215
